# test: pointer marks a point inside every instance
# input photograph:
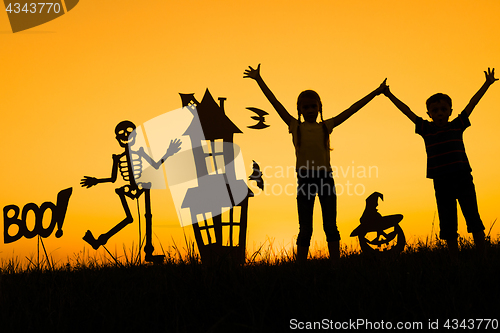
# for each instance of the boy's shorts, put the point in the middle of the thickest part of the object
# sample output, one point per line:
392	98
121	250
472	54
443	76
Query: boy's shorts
448	190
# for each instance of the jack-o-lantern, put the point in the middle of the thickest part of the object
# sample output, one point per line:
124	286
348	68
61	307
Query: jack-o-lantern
377	234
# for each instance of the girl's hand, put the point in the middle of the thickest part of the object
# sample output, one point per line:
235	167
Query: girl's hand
252	73
387	92
381	88
490	76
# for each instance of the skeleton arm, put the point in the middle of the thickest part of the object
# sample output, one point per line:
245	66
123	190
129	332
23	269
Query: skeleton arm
92	181
175	146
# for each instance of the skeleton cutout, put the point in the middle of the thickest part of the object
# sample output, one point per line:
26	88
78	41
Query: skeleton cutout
389	238
129	163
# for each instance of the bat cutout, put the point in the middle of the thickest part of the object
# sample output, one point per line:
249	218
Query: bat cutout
389	237
257	175
260	117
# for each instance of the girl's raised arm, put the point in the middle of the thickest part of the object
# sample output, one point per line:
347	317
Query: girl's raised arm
255	74
344	115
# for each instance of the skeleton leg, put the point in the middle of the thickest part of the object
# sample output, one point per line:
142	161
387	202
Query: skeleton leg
148	248
103	239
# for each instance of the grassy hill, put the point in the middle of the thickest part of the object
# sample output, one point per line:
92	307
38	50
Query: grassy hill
419	286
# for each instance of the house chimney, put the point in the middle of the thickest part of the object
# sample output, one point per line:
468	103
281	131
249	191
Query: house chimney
221	101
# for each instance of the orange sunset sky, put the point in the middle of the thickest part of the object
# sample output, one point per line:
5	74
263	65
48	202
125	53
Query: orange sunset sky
66	84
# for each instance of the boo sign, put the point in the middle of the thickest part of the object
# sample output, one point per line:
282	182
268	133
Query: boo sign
13	216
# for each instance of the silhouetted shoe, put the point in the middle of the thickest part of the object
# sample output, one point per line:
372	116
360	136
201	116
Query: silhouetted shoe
89	238
156	259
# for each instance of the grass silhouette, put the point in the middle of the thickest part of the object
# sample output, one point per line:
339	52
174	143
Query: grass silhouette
182	295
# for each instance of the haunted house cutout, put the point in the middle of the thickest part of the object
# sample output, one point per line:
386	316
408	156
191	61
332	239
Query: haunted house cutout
219	221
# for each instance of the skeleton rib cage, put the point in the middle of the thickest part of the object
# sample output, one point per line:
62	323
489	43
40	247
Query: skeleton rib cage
135	163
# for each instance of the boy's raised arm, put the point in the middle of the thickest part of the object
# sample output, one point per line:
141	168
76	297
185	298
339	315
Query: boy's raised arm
400	105
490	79
344	115
255	74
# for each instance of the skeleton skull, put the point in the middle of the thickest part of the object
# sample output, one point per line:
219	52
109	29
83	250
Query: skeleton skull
125	133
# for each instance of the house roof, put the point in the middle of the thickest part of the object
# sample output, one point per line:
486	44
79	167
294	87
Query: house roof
213	119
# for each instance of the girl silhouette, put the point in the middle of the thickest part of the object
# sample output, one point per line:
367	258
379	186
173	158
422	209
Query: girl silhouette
312	150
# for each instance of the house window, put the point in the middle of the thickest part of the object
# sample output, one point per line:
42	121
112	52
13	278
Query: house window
230	220
207	228
192	105
214	156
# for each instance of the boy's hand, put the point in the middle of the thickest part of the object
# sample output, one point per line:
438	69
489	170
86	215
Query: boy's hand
490	76
381	88
252	73
387	91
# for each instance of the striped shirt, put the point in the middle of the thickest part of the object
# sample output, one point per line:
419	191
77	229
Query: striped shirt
444	146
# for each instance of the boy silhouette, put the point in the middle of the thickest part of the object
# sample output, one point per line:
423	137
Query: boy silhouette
447	163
